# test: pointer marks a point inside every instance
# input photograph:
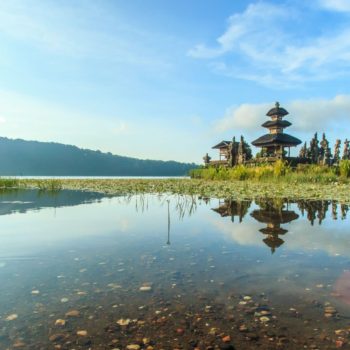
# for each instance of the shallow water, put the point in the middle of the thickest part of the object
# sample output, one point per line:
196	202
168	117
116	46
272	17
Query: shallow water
172	272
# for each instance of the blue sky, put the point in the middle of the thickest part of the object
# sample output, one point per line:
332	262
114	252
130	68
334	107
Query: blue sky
165	79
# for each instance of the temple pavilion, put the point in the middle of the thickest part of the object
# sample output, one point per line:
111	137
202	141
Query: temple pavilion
274	143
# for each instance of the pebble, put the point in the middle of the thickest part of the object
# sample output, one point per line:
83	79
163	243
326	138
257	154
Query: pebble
247	297
60	322
11	317
180	331
226	339
124	322
19	344
133	347
82	333
339	344
264	319
243	328
145	288
73	313
81	293
227	347
57	337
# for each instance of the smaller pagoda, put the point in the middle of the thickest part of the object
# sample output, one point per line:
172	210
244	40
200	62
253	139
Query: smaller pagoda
273	144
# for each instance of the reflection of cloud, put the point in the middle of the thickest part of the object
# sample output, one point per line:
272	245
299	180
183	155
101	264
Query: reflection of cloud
342	287
123	225
331	237
246	233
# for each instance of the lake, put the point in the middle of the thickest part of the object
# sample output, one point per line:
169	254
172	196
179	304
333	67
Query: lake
87	271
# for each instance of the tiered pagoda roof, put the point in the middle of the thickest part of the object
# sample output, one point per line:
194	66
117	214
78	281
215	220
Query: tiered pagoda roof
276	137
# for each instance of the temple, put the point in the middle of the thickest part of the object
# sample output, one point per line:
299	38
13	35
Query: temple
274	143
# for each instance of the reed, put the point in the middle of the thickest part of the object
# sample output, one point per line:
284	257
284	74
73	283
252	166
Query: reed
9	183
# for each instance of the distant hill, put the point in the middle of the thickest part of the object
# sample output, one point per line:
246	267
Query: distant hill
20	157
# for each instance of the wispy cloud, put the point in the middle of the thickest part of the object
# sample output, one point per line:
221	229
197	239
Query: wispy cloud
65	29
336	5
258	45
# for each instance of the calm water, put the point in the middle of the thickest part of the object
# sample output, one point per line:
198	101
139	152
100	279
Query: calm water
83	271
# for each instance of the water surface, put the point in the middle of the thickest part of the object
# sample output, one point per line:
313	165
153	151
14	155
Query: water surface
80	270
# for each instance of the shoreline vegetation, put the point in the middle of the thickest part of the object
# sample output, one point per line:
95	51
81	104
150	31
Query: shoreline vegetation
277	181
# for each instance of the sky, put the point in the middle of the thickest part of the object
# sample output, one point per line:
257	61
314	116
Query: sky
162	79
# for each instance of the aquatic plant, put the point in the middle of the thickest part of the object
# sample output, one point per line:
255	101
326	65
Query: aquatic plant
9	183
52	185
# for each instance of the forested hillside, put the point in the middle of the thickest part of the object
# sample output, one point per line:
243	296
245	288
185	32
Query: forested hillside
20	157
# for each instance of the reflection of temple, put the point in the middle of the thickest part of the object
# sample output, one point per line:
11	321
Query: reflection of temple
233	208
273	216
275	212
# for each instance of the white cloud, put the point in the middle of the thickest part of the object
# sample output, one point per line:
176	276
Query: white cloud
307	116
258	45
336	5
245	117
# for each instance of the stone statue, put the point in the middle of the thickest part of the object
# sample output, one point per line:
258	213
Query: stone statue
303	151
206	159
244	151
327	157
337	151
232	153
346	151
324	152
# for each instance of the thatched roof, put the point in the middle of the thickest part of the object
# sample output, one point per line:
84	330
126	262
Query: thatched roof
276	139
273	231
274	216
222	144
277	123
277	110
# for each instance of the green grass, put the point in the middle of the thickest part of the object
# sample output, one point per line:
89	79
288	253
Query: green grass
50	185
278	172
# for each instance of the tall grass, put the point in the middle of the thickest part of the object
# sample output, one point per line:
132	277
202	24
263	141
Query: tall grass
279	171
9	183
52	185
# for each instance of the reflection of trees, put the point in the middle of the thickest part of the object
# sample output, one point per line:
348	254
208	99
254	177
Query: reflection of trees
233	208
317	210
273	213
